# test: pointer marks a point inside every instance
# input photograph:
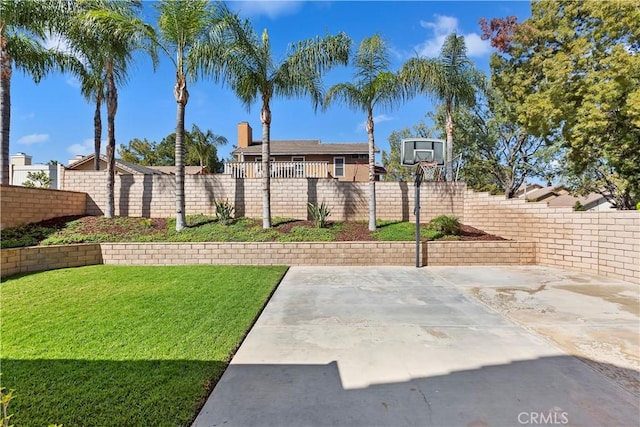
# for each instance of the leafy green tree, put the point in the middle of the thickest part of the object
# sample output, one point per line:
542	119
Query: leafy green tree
147	153
375	86
24	24
573	71
201	149
119	32
450	78
38	179
246	63
184	26
498	153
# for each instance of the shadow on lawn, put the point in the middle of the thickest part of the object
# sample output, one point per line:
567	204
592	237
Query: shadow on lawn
101	393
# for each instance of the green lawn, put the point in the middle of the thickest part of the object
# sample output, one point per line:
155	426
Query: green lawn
125	346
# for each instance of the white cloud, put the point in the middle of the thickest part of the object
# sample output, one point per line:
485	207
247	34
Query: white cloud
376	119
270	8
441	28
86	148
34	138
28	116
73	82
58	42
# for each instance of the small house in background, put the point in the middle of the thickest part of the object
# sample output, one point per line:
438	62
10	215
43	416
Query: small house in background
300	159
561	197
21	166
85	163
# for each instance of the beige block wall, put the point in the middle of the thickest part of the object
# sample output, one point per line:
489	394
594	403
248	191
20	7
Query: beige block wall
480	253
602	242
263	253
20	205
41	258
20	260
154	196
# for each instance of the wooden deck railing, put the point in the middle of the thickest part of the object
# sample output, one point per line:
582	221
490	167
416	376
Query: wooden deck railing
278	169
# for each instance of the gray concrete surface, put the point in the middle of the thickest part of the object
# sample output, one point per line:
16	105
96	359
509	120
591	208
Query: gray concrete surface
436	346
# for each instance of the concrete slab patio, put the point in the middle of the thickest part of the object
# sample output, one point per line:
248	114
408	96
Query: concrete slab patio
436	346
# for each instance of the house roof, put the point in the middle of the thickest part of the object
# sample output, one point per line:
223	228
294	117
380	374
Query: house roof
188	170
301	147
567	200
544	193
136	169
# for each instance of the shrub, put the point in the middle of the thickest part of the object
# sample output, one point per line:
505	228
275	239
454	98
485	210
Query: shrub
224	211
578	206
319	214
447	225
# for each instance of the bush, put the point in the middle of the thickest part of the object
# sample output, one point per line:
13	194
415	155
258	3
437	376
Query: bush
447	225
319	214
578	206
224	211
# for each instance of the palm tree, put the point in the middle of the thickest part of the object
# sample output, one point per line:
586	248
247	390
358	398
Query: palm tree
249	67
184	26
110	32
204	144
375	86
450	78
24	24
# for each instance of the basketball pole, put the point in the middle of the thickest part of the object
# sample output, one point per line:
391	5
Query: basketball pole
416	212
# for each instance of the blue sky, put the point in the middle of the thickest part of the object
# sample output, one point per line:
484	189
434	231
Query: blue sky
52	121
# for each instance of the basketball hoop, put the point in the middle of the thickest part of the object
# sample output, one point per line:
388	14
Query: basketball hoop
427	171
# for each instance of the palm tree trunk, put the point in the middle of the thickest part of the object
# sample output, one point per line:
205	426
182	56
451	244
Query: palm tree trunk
449	151
97	133
112	107
372	173
265	118
182	97
5	112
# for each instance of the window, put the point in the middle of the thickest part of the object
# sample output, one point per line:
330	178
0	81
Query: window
338	167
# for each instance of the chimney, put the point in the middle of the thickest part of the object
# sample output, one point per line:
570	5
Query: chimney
20	159
244	135
75	159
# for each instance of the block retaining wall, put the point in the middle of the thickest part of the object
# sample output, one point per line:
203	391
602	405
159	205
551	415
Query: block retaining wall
21	205
20	260
597	242
40	258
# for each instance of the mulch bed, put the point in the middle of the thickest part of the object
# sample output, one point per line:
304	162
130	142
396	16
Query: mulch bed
351	231
359	231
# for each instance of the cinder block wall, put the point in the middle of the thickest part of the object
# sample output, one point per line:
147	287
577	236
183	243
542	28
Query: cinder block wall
154	196
41	258
604	242
20	205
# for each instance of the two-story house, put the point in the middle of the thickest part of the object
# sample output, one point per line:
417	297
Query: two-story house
301	159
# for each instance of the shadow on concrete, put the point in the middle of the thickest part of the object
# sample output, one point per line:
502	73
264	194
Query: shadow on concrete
551	390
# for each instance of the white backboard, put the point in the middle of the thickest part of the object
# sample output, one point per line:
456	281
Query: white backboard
414	150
